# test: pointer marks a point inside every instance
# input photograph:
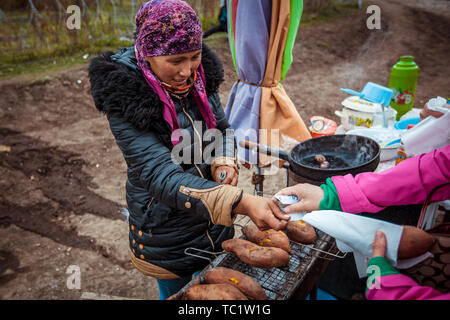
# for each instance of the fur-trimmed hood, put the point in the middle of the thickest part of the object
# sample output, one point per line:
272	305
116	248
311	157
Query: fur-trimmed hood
118	87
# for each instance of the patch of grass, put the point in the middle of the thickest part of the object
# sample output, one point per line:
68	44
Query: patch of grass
334	12
41	81
33	46
37	67
45	42
49	46
60	58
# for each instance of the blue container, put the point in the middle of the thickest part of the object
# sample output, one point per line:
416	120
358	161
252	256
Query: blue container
374	93
403	124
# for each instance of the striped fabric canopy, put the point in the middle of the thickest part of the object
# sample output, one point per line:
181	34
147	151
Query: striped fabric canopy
261	35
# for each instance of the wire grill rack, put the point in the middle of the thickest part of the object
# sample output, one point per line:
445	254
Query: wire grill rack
279	283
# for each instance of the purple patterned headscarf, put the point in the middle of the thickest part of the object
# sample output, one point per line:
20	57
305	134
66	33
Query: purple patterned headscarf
167	27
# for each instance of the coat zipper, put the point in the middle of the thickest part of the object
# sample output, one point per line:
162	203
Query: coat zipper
150	203
149	231
187	190
209	237
198	135
198	169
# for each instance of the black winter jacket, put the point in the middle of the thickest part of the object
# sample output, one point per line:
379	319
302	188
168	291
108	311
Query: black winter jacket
172	206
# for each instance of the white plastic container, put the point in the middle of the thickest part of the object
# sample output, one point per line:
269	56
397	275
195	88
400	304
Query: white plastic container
357	112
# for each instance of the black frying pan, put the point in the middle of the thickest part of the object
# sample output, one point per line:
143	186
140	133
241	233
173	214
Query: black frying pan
345	153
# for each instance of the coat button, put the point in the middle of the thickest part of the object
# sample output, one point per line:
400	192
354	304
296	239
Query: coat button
142	257
188	205
141	246
134	241
140	233
132	227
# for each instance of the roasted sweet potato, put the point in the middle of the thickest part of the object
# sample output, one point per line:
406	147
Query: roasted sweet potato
220	291
325	165
252	254
320	158
267	238
414	242
300	231
246	284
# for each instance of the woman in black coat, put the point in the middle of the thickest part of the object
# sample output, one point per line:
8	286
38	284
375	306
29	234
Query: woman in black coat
160	98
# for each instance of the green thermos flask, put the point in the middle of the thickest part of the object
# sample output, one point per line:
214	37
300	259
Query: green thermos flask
403	81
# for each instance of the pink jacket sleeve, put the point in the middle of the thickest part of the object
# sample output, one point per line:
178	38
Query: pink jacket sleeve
401	287
407	183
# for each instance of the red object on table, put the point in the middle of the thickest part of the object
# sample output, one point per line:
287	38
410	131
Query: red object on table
321	126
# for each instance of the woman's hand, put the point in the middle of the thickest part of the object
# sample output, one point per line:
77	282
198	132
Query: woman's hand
308	194
231	175
263	212
425	112
379	244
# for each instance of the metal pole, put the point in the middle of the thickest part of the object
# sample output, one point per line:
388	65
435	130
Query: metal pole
258	179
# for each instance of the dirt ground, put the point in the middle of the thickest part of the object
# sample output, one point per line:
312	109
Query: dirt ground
62	183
